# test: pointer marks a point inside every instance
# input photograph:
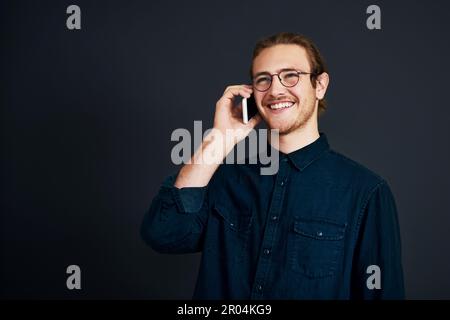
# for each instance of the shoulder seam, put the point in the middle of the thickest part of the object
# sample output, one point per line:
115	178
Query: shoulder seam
366	201
359	165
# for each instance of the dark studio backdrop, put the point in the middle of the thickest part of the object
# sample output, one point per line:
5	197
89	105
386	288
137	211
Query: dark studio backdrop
87	117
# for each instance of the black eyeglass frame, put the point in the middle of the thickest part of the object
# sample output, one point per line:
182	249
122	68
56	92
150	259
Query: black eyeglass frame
279	78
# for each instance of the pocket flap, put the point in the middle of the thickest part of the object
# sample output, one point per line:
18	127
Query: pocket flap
319	229
239	221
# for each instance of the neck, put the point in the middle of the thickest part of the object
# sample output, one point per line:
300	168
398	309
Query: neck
298	138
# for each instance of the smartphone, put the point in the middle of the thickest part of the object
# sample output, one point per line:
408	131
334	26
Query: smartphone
249	108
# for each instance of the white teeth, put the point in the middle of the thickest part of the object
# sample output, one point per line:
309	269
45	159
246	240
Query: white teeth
281	105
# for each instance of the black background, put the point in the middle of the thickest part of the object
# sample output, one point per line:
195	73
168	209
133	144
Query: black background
87	117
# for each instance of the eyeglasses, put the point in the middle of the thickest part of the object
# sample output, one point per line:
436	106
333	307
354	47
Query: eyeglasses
288	78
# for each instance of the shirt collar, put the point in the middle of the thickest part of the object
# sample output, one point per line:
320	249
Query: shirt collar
303	157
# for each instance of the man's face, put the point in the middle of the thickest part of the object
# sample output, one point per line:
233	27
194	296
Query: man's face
302	95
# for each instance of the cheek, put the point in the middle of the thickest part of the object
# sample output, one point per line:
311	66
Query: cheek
305	94
298	95
258	98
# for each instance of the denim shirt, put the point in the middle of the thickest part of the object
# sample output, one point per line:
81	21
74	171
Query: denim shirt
323	227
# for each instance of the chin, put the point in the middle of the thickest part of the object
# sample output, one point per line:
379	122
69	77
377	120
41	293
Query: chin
282	128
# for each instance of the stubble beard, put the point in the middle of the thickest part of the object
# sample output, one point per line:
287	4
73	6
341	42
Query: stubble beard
304	115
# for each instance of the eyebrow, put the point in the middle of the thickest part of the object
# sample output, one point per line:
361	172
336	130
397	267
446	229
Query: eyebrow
277	71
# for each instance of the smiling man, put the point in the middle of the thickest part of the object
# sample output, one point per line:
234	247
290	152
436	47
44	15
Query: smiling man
322	227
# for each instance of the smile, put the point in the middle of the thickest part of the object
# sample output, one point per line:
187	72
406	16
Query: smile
281	105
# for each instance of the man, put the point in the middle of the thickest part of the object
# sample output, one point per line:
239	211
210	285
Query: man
322	227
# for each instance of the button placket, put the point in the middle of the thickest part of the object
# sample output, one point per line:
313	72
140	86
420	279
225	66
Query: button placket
270	231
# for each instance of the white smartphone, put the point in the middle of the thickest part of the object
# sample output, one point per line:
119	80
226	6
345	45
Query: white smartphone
249	108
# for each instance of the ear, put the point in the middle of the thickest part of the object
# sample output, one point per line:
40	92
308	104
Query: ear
321	85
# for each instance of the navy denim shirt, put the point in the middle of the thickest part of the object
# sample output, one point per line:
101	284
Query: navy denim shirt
309	232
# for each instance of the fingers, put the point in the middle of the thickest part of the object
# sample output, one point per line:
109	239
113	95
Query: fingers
244	91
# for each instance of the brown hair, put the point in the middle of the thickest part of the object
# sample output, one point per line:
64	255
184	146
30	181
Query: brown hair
315	59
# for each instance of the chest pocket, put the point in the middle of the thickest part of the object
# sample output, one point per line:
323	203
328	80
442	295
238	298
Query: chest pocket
315	247
228	233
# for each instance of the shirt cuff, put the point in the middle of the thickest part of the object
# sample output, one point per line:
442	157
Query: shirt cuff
188	199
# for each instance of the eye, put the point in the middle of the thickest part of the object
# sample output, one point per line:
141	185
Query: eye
290	75
262	79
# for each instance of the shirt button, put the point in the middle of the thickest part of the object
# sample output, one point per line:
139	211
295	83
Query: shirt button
282	183
274	218
259	287
266	252
319	233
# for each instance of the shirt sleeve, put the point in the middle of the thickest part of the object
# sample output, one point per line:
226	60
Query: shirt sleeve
176	219
377	271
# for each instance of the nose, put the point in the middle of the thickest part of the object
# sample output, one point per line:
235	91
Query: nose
276	87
